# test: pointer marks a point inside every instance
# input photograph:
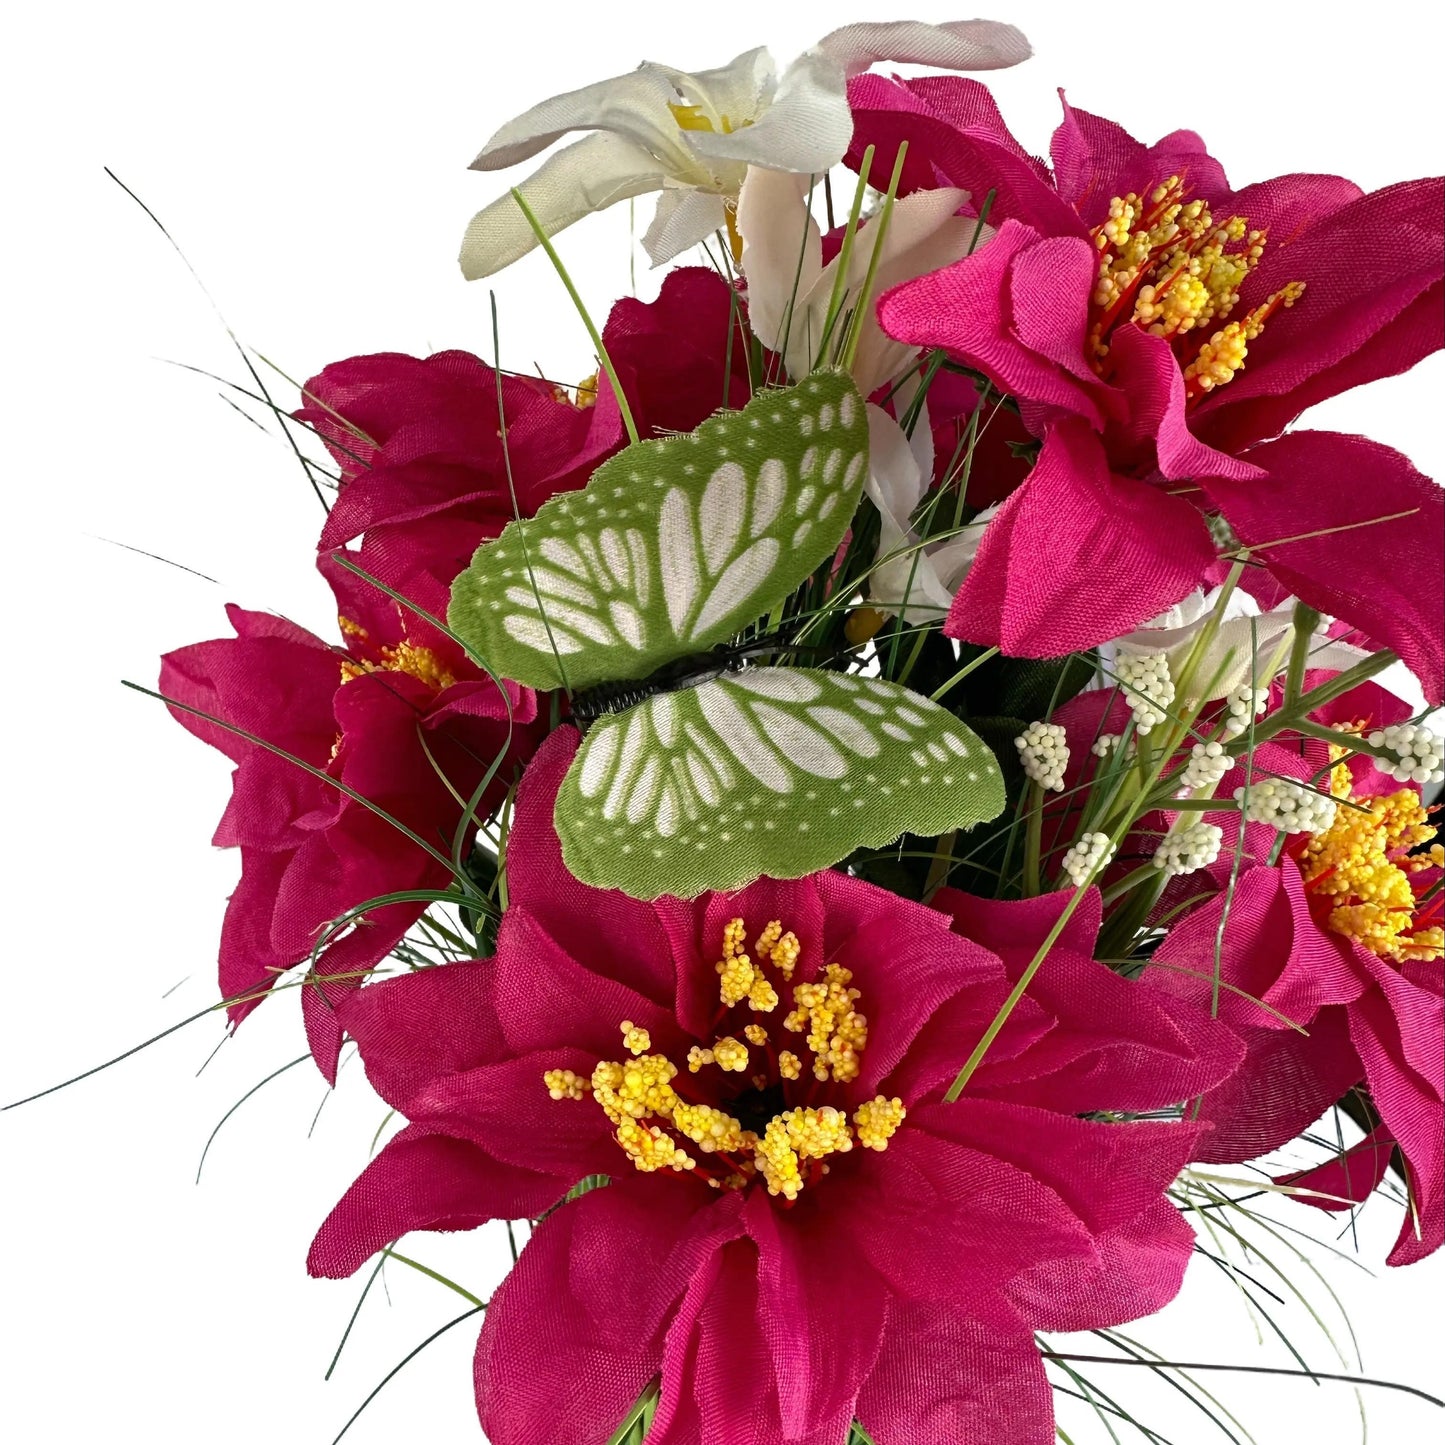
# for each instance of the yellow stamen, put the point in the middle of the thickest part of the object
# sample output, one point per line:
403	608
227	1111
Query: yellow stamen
656	1126
1362	865
1166	266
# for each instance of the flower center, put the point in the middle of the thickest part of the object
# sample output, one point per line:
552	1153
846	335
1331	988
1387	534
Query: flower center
1166	266
418	662
1362	871
754	1104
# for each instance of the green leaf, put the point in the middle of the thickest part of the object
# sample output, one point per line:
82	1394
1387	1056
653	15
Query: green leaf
673	546
772	770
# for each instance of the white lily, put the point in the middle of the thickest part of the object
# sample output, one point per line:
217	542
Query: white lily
790	290
693	136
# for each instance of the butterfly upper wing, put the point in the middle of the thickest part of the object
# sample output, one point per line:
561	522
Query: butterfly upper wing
773	770
673	545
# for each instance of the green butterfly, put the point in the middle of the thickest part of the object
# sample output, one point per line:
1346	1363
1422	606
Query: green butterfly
672	548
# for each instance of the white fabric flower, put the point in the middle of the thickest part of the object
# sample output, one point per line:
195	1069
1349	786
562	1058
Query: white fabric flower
692	137
1250	648
789	287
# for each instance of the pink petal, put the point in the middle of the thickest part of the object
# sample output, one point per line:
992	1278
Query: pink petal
1138	1269
543	993
1367	265
942	1376
423	1026
956	137
1147	371
1016	333
913	1205
1386	578
1118	1044
1350	1177
505	1108
1385	1031
1119	552
575	1332
422	1180
1096	160
823	1326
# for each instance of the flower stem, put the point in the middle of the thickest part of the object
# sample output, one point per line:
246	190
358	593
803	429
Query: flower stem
1033	839
545	242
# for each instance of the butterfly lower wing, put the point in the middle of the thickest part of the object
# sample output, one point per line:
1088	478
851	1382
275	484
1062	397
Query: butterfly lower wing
776	771
673	545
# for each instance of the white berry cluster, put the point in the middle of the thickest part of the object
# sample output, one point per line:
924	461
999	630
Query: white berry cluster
1086	857
1243	705
1207	764
1188	849
1287	806
1419	754
1044	754
1109	743
1148	686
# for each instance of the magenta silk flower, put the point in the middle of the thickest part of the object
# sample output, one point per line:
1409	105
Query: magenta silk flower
1159	330
1318	1012
398	723
810	1234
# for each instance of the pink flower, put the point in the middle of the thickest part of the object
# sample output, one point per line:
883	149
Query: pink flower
810	1234
1330	969
1157	327
420	442
309	852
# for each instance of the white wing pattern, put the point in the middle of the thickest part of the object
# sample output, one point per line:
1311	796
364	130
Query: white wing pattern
772	770
673	545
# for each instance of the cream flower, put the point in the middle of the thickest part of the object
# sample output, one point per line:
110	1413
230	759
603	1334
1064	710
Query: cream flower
692	137
1251	647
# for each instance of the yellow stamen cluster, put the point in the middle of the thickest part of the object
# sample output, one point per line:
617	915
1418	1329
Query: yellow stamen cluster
1225	352
836	1031
712	1130
583	395
1362	864
635	1040
418	662
1167	266
877	1121
655	1124
742	978
564	1084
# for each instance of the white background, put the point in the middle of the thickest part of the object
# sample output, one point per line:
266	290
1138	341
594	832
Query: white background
310	157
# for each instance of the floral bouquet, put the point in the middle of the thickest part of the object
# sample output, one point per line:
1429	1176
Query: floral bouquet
850	826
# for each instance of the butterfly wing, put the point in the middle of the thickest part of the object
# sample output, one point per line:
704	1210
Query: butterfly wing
773	770
672	546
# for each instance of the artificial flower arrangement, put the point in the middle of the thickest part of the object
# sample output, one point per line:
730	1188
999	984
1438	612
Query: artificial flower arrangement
847	818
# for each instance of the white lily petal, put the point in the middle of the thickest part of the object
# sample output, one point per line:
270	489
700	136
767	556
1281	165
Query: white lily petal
587	176
634	105
684	217
924	235
806	128
954	45
737	92
895	483
782	253
904	581
1338	656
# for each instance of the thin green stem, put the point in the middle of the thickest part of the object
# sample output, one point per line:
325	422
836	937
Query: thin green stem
1033	838
545	242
